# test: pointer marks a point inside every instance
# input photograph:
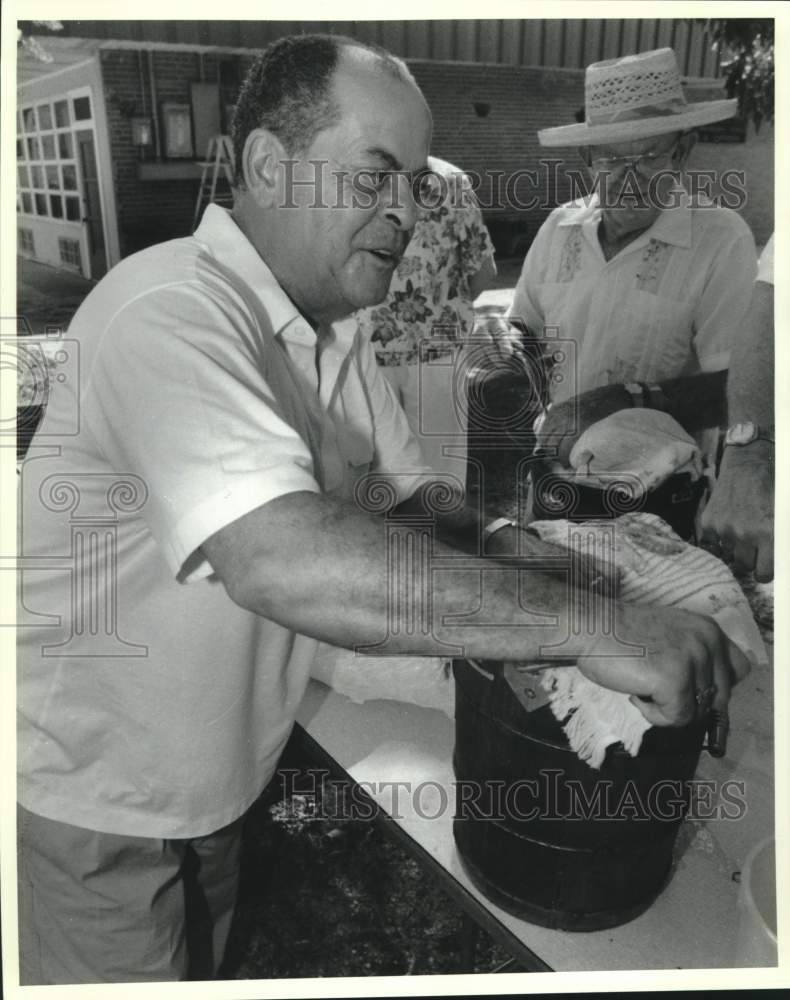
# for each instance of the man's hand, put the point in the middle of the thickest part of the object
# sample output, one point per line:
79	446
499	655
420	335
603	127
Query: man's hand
740	512
565	422
687	668
498	339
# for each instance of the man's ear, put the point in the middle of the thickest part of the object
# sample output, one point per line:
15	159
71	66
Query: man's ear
261	159
685	144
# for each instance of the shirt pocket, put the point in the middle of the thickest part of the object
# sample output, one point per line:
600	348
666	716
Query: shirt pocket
656	337
555	299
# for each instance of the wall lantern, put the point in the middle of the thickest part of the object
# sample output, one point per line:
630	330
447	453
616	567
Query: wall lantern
141	132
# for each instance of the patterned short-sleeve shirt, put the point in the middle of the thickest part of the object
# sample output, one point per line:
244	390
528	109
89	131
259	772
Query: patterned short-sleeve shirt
669	304
429	298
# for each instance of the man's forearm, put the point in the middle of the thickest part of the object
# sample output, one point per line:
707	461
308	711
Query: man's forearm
370	581
319	566
696	401
750	387
456	524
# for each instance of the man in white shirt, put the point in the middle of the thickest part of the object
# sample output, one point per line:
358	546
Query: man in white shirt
209	516
740	512
649	283
639	284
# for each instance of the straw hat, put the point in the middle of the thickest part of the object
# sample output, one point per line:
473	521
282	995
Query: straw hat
634	98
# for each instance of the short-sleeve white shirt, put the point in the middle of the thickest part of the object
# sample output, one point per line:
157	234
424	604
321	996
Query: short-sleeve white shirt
765	271
149	703
669	304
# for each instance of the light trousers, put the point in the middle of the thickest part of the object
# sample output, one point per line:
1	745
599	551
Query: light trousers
102	908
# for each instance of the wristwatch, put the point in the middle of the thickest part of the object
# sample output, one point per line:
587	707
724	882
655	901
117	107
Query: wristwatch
747	432
645	395
496	525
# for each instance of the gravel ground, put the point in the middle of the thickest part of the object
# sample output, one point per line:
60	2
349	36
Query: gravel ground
327	896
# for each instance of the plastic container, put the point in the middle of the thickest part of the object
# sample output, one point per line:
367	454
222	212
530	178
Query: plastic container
756	943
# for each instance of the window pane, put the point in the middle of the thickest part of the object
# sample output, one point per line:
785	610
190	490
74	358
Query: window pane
62	113
73	209
82	108
29	120
32	149
52	177
20	149
48	146
69	252
69	177
19	121
56	204
41	204
65	147
44	117
27	203
37	173
24	176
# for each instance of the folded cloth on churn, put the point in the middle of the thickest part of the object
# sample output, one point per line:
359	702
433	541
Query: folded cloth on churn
655	566
645	446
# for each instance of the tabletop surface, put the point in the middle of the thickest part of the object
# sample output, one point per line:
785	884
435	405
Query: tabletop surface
692	924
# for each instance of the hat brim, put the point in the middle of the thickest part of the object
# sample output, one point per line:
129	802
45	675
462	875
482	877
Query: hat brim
582	134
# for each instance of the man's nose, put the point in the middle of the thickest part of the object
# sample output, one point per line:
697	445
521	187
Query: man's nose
397	203
623	165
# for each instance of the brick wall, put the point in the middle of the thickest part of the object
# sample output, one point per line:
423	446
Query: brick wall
523	100
755	160
149	211
520	101
515	101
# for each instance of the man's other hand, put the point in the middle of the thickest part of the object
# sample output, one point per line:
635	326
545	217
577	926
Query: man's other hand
740	513
498	339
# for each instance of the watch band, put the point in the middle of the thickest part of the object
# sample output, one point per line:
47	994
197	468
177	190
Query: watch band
496	525
766	434
637	393
645	395
654	396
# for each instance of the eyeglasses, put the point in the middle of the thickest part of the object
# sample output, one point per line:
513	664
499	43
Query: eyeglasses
649	162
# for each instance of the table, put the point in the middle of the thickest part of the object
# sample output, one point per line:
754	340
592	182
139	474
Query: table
692	924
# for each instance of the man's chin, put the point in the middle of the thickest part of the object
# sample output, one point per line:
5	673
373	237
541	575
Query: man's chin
370	294
634	215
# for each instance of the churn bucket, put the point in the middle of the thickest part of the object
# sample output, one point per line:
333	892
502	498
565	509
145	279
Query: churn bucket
540	832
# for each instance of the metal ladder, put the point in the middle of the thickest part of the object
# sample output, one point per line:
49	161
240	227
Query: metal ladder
218	162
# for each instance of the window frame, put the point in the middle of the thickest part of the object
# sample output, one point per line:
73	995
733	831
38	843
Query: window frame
31	137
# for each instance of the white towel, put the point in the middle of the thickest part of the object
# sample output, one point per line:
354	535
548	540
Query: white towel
425	681
656	567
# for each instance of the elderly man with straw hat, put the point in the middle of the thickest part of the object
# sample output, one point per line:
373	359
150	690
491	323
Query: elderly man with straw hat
650	282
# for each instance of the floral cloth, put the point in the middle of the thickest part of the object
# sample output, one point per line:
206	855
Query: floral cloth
429	298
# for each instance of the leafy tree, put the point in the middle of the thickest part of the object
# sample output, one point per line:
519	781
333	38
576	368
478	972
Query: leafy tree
31	46
747	48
